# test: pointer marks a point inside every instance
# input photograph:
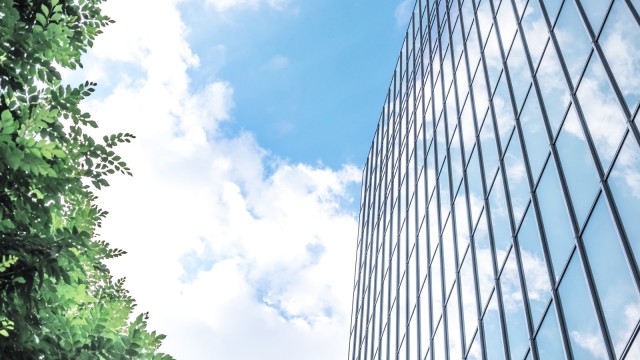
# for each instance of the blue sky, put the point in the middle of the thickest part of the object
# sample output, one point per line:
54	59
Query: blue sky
304	76
253	119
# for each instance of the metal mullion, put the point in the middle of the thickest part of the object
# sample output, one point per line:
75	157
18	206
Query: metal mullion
610	77
428	223
362	277
415	182
367	278
398	210
355	302
485	186
437	186
421	98
386	269
463	340
536	91
377	258
403	212
576	227
453	220
479	330
634	11
391	234
617	219
507	78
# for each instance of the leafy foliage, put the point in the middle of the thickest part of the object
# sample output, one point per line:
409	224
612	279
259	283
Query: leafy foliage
57	297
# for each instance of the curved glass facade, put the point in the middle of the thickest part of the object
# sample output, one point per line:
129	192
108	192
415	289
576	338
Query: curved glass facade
500	213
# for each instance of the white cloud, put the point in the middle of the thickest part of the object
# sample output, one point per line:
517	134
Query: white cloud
403	12
278	62
224	5
236	253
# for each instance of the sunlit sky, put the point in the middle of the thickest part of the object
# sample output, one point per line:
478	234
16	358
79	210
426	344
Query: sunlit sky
253	119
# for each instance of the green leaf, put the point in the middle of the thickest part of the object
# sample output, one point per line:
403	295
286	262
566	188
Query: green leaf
41	19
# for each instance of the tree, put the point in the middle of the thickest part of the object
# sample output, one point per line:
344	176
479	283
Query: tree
57	297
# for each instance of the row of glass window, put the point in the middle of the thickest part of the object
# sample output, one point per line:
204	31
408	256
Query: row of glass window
548	201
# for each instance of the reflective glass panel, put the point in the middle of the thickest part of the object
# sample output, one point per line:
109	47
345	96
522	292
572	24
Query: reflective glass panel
507	23
582	326
514	309
468	294
503	110
535	134
616	289
519	72
577	165
453	318
535	29
620	41
602	111
462	222
436	286
552	7
492	329
548	339
573	39
484	260
474	180
536	273
489	149
595	10
516	177
553	86
624	182
475	351
499	220
555	218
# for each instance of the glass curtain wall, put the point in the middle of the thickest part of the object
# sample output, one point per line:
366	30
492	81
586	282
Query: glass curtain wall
500	213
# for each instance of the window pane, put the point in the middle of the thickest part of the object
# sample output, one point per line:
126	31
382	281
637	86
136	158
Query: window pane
474	179
454	326
493	334
468	292
448	248
516	177
553	86
499	220
548	339
616	289
462	222
436	286
484	260
514	308
507	23
438	342
489	149
552	7
584	334
555	218
602	111
595	10
577	164
536	274
573	39
624	182
519	71
535	134
535	30
475	352
504	110
620	42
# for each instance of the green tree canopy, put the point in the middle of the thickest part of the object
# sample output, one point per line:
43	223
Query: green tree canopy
57	297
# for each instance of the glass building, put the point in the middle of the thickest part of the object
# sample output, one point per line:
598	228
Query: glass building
500	213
